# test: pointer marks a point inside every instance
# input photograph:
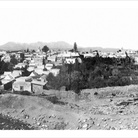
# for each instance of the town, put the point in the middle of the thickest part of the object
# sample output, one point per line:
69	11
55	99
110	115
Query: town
30	70
68	89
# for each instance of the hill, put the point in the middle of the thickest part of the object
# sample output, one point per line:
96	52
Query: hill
113	108
23	46
11	46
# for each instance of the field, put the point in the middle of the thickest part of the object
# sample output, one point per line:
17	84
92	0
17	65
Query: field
110	108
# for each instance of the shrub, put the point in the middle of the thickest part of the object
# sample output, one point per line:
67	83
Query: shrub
98	82
58	81
76	81
124	81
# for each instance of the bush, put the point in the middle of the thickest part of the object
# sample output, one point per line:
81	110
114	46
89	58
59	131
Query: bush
76	81
98	82
58	81
94	72
124	81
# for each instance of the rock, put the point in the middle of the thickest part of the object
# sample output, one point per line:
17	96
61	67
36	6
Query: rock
78	128
53	116
111	120
27	117
113	128
44	121
95	93
22	110
79	120
38	123
109	100
120	122
104	119
85	126
84	120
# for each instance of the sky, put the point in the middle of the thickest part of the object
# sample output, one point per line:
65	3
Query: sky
89	24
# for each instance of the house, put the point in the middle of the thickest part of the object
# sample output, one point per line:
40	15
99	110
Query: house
21	86
51	58
30	69
23	79
20	65
70	60
43	78
55	72
86	55
2	53
31	84
32	64
16	73
38	61
46	72
34	74
68	55
7	80
38	86
39	71
40	67
49	66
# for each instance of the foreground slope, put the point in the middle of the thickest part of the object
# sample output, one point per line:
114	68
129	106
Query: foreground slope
105	108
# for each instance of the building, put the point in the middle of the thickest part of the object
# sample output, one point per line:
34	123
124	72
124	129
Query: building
38	86
49	66
55	72
7	80
21	86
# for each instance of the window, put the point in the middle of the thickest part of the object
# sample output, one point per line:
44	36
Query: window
21	88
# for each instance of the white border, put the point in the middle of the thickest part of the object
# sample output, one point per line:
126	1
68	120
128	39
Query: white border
71	133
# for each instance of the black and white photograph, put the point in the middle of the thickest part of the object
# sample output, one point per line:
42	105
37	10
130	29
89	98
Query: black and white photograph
69	65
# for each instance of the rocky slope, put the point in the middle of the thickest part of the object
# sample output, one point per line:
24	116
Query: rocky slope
112	108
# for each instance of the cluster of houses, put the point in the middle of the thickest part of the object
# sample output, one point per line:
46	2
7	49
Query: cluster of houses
35	81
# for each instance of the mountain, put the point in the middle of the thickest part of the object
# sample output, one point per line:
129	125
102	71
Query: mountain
11	46
99	49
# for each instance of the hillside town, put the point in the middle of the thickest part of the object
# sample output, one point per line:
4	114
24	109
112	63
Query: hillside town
30	68
68	89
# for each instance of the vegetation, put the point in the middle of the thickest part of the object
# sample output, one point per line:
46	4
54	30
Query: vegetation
45	49
95	72
75	47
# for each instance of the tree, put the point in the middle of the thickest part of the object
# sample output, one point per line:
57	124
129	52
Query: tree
44	63
75	47
25	72
76	65
22	57
13	60
33	51
45	49
27	50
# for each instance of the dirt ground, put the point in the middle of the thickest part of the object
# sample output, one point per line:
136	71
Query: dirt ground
111	108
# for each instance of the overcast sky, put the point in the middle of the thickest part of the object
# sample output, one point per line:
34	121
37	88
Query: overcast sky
90	24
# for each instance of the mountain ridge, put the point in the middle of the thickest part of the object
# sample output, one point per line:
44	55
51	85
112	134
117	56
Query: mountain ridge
12	46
